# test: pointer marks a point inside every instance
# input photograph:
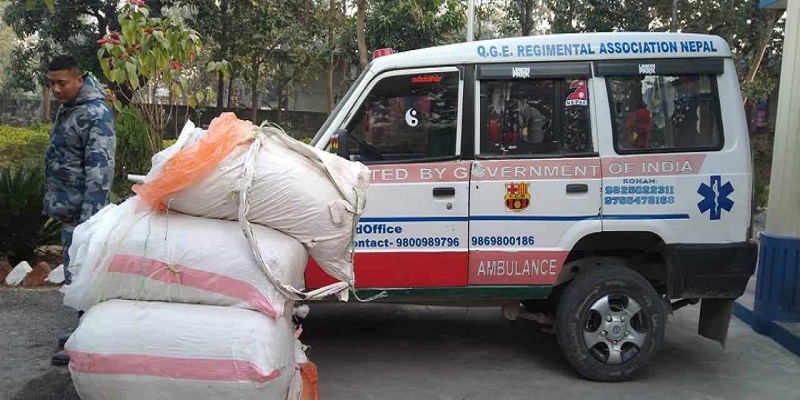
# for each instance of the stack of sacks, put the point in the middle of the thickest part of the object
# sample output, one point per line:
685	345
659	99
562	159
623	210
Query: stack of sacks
187	306
236	171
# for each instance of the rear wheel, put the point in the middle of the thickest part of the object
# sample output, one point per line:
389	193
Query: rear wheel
609	323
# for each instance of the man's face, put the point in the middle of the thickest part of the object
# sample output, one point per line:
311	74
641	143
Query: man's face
65	84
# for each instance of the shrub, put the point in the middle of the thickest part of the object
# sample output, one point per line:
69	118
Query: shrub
23	228
133	150
23	145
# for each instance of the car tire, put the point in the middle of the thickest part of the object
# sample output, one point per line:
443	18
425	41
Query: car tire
609	324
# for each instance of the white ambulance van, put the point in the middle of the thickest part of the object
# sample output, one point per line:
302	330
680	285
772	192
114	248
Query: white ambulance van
596	182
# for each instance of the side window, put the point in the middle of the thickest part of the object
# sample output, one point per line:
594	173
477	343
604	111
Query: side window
535	117
406	118
665	112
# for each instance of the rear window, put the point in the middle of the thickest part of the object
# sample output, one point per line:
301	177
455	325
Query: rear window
665	113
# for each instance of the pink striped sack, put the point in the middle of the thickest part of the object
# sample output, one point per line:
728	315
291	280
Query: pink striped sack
143	255
128	350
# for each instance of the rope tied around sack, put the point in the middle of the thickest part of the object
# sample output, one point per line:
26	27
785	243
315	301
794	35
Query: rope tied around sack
169	266
243	185
175	273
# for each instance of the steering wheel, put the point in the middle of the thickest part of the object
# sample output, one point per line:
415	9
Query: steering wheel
372	152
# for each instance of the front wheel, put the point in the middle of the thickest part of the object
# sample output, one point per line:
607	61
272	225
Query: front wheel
609	323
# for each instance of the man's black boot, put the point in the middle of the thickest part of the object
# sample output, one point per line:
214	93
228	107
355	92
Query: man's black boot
60	359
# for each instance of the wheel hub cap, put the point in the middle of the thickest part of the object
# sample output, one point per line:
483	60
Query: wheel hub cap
617	331
614	332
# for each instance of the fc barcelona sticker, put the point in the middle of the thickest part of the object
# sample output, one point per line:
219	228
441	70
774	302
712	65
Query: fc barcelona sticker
517	197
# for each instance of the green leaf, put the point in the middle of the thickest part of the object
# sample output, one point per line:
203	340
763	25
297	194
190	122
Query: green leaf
133	77
127	31
106	69
100	53
162	62
118	75
117	104
32	4
191	102
159	36
212	66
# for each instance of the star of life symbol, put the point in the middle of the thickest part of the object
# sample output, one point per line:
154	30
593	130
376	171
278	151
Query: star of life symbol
715	197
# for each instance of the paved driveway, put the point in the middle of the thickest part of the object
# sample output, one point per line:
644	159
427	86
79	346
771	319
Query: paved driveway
411	352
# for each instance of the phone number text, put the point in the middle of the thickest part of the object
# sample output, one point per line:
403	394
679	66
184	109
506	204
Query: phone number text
502	241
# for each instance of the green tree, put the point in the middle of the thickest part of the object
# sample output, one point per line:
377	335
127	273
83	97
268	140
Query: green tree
280	36
523	17
150	54
223	24
408	25
7	46
334	22
600	15
755	36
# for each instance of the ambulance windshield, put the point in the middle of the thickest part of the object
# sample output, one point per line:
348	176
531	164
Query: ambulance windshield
339	106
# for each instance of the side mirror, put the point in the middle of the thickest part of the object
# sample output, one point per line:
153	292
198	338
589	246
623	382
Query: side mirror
343	150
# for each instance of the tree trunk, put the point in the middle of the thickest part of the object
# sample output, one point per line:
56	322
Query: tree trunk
223	13
279	117
749	107
254	94
331	61
673	22
230	90
763	45
220	89
329	88
360	34
526	23
44	110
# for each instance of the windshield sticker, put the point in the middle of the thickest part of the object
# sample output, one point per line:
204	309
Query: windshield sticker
411	117
579	96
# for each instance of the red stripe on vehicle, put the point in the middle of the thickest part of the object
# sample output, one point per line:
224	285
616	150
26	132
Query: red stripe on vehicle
536	170
515	267
454	171
399	270
653	165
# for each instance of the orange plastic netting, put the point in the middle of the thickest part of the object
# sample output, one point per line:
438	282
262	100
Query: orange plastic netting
310	378
196	161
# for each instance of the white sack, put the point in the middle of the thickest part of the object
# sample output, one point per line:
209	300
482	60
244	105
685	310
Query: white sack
127	350
125	254
309	194
18	274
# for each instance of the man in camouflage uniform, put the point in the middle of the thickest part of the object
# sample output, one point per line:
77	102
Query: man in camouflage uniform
79	162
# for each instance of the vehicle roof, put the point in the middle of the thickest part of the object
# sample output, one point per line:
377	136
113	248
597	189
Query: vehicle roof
562	47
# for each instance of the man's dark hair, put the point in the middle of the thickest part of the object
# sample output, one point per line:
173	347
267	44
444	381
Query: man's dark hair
63	63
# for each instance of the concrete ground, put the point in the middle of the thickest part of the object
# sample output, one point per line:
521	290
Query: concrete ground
411	352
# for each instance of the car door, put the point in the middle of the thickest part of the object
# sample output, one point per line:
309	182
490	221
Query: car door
536	181
413	233
668	168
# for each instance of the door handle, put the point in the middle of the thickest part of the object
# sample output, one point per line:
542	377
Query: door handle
577	188
444	191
